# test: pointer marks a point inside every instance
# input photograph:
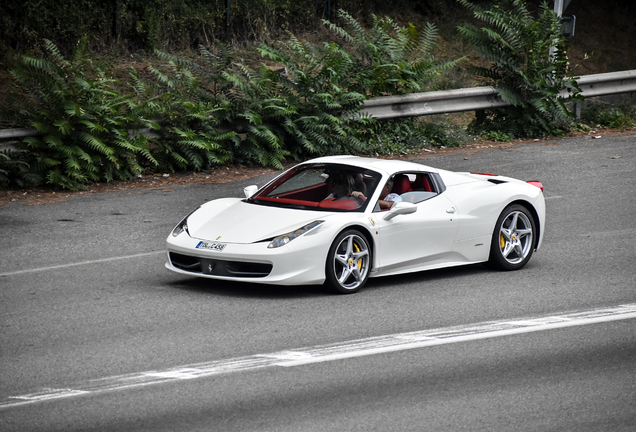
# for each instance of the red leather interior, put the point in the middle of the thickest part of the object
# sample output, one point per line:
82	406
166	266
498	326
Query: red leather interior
421	183
344	204
401	184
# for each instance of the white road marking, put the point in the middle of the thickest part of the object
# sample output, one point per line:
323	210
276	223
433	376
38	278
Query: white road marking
331	352
55	267
50	394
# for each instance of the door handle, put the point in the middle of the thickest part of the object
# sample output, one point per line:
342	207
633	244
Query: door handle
451	210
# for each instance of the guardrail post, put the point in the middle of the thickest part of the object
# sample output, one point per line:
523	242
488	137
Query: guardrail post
480	116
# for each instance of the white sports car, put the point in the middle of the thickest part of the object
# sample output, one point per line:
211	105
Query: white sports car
340	220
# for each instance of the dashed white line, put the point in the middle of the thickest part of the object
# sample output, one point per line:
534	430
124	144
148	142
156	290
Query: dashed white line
55	267
49	394
331	352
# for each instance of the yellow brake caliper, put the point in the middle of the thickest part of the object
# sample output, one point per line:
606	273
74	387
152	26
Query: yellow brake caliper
502	242
360	260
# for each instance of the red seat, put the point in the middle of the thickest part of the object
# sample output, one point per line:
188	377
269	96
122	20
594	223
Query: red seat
343	204
401	184
421	183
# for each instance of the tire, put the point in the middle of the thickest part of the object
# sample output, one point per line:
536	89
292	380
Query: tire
348	262
513	239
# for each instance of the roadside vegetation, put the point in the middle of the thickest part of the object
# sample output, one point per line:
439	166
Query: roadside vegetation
267	100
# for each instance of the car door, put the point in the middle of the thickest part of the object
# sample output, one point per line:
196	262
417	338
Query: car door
419	239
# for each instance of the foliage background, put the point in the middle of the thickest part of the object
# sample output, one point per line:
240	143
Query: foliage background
605	30
213	108
91	142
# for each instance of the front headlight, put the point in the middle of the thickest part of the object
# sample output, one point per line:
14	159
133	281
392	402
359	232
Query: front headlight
183	225
282	240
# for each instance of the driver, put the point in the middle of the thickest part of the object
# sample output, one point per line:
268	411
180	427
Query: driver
343	185
388	199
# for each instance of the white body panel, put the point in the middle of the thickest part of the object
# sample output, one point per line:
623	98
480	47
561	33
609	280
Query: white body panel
417	241
452	228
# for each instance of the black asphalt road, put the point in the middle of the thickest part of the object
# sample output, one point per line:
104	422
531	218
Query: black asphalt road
85	304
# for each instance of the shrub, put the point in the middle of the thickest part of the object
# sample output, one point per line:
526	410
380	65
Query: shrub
387	59
620	117
82	119
217	110
327	84
517	46
311	105
15	167
497	136
411	135
190	105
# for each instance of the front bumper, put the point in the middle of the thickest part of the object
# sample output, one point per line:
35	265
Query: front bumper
301	262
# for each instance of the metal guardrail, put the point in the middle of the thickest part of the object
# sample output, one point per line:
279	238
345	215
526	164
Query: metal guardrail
448	101
608	83
435	102
478	98
6	134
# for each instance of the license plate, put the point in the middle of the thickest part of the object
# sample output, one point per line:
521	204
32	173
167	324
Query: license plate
211	246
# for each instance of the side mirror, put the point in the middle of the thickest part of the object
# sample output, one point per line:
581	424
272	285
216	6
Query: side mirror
400	209
250	190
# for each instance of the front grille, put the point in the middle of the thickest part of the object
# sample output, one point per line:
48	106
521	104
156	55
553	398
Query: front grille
216	267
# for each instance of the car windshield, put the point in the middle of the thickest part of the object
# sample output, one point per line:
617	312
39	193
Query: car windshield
330	187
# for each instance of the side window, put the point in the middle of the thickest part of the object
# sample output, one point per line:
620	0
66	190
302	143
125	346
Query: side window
420	187
304	179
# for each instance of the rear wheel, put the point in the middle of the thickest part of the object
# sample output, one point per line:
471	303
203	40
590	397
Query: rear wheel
348	262
513	239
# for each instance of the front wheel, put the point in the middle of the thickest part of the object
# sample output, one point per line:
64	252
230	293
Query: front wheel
513	239
348	262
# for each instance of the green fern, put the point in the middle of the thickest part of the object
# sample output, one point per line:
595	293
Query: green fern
327	84
81	114
15	166
517	45
215	109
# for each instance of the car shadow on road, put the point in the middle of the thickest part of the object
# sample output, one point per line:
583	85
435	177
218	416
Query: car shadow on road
248	290
241	289
427	276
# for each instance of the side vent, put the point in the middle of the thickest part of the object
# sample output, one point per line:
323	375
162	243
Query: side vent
495	181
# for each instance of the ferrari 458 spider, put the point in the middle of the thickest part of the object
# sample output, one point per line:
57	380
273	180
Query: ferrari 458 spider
340	220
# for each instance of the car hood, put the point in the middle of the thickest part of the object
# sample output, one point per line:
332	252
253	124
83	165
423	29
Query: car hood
231	220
